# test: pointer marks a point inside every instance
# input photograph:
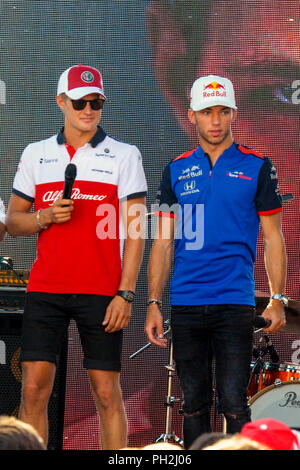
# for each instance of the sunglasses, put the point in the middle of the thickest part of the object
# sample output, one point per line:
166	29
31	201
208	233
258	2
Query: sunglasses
96	104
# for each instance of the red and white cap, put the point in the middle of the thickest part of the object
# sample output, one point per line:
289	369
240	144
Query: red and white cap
80	80
272	433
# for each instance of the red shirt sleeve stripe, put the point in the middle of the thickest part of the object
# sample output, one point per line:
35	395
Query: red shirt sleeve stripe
184	155
273	211
250	152
165	214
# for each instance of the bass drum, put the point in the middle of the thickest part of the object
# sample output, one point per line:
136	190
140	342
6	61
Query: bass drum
279	401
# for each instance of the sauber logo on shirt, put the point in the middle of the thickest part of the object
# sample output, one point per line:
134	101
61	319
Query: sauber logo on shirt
51	196
48	160
105	154
239	174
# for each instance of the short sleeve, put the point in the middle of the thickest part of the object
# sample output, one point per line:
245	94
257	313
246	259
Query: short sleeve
2	212
24	183
132	181
268	199
166	198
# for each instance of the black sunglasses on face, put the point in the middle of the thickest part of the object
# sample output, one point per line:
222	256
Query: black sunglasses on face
96	104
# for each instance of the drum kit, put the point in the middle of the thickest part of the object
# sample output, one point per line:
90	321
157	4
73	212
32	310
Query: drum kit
274	387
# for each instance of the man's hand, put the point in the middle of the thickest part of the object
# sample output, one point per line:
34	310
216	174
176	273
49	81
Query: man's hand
117	315
58	213
275	312
154	326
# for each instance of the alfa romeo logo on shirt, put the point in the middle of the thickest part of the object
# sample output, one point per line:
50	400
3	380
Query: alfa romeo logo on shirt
87	77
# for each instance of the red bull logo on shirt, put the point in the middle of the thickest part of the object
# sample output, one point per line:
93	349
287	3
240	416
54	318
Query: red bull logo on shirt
214	89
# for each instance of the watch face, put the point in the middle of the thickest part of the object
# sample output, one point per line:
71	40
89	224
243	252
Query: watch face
129	296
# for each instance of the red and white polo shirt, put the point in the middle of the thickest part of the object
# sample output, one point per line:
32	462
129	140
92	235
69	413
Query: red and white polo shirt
83	255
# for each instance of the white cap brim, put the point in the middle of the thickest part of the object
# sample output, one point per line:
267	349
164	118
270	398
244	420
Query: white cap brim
80	92
202	105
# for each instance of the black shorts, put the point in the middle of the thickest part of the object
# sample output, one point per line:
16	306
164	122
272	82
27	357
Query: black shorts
45	322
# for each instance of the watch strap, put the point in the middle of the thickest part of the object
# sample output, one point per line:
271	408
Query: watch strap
284	299
127	295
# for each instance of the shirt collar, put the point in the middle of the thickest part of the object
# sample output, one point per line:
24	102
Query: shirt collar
228	151
95	140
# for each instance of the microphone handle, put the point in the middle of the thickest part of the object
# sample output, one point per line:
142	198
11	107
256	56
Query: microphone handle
67	189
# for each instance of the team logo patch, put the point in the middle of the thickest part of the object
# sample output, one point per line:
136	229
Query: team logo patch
87	77
214	86
189	188
214	89
188	173
239	174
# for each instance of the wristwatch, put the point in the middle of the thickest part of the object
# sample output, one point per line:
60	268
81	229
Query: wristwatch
284	299
127	295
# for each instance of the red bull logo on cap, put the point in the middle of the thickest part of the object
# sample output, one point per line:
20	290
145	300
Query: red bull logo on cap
214	90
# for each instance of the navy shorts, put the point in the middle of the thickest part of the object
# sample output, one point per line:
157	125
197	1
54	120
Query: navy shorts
45	323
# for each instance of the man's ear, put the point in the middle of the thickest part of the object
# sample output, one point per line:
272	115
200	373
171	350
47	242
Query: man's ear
169	52
191	116
60	102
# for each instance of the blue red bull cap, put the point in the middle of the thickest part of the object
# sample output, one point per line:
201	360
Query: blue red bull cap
212	91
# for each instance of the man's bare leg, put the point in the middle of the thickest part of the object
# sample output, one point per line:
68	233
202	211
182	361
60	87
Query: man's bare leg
37	383
108	398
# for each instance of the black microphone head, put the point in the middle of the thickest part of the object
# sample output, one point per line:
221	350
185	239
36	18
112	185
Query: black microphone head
71	171
260	322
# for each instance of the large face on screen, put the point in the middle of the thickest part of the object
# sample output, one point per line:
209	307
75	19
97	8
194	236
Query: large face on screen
256	44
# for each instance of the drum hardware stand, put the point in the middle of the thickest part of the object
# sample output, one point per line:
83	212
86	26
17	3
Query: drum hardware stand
167	322
168	435
259	353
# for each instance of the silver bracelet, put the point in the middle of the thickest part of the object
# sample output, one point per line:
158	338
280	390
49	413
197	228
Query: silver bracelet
154	301
43	227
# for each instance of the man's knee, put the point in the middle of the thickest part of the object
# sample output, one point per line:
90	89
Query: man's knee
106	390
35	395
37	384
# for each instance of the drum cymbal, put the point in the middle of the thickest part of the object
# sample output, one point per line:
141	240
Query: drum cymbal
292	313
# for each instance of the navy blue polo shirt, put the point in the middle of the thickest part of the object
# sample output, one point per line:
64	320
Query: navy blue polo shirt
217	216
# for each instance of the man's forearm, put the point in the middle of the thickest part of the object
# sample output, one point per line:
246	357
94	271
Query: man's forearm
2	231
159	268
22	224
132	260
276	262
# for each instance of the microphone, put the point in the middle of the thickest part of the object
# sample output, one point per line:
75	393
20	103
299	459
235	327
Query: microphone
70	175
272	351
5	261
261	322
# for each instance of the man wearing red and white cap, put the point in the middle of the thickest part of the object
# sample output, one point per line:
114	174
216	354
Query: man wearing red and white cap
78	272
272	433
